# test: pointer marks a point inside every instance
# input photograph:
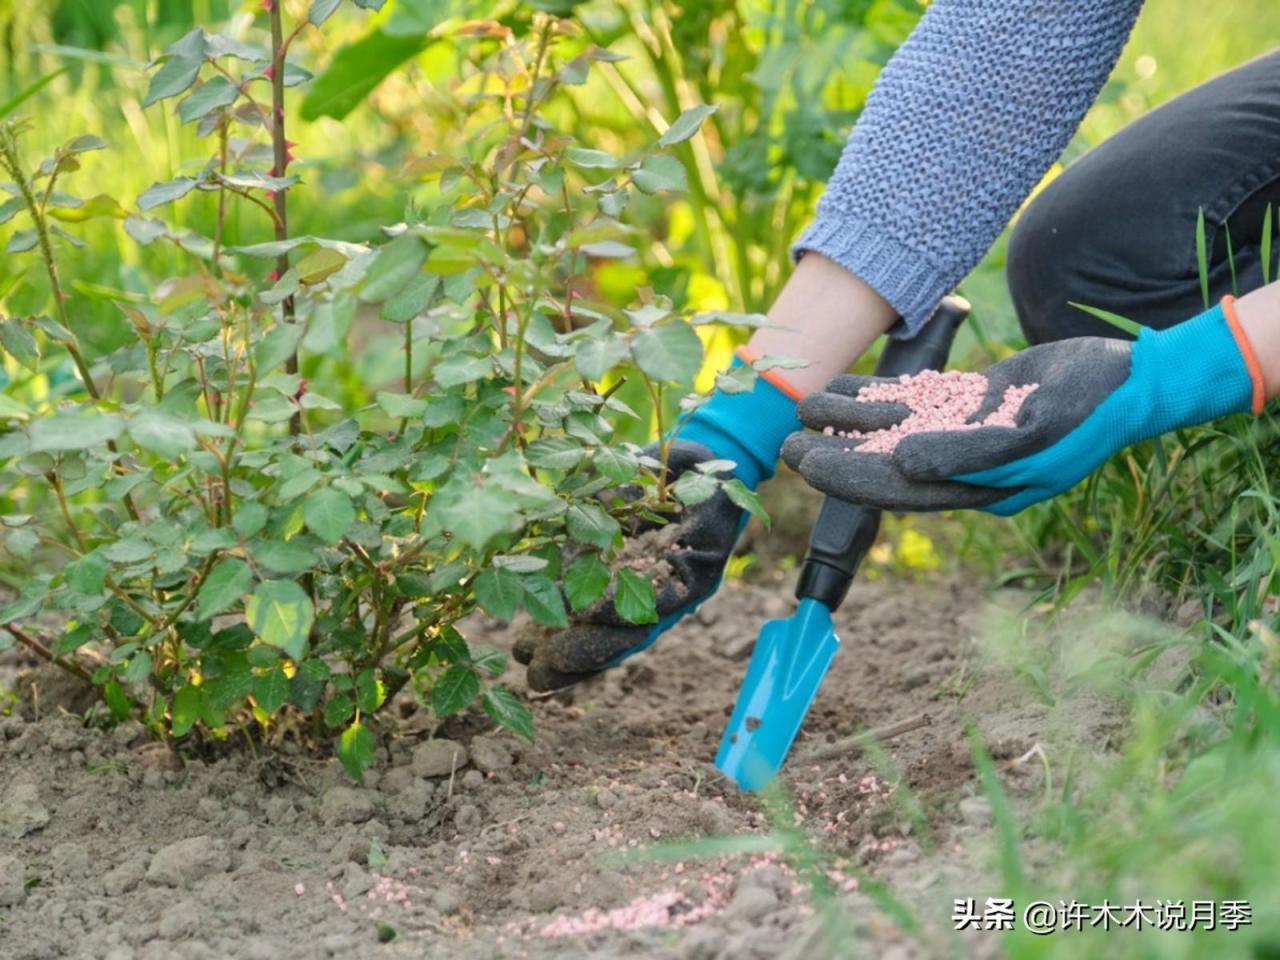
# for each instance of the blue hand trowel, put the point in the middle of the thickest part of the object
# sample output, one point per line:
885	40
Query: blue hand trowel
791	656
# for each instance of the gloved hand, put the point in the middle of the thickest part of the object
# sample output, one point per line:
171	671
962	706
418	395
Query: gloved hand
1094	397
696	554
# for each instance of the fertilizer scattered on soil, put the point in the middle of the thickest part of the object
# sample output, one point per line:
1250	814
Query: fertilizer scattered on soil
938	402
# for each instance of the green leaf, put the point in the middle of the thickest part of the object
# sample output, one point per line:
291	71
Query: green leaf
158	194
22	241
86	143
138	670
338	710
591	159
250	517
585	580
499	592
226	585
355	71
185	711
87	575
686	125
507	710
369	690
281	614
671	352
544	602
271	690
694	487
20	344
589	523
329	514
306	686
92	209
322	10
402	405
129	550
283	556
355	750
634	599
660	173
162	434
175	76
460	369
555	453
211	95
412	300
475	510
1202	258
396	264
11	208
79	430
746	499
278	345
455	690
594	358
489	660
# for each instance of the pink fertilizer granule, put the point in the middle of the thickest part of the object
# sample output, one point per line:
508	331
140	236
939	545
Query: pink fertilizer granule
937	401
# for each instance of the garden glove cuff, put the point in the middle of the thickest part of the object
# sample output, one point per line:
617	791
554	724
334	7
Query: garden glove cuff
1089	397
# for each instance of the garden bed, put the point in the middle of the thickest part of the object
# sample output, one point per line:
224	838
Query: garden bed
128	852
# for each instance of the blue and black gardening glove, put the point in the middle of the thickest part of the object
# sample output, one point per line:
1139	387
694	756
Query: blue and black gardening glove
1092	397
685	560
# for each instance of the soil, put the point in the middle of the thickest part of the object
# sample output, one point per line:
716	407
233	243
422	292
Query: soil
112	847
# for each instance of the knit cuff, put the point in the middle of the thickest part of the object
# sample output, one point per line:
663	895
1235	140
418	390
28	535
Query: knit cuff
912	285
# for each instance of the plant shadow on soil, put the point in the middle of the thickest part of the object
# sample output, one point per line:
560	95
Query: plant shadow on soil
119	850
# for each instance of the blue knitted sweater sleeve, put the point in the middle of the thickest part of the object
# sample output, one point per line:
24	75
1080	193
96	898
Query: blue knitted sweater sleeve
963	121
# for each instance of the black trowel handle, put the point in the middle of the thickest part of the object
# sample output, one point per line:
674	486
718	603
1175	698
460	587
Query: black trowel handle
844	532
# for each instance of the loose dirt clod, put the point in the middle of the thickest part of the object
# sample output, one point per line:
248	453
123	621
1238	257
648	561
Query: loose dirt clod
938	402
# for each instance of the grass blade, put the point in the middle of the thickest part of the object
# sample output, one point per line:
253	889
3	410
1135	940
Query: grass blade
1231	261
1202	258
1123	323
14	102
1266	246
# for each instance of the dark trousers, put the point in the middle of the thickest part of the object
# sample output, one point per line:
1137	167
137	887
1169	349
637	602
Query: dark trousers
1117	229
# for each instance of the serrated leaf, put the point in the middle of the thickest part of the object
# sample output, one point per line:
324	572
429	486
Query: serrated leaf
396	264
338	710
185	710
585	580
87	575
355	750
660	173
746	499
693	488
306	686
634	598
507	710
10	209
319	265
329	514
168	191
555	453
175	76
250	517
225	586
162	434
591	159
213	94
280	343
595	358
455	690
322	10
77	430
499	593
686	125
281	614
138	670
671	352
369	690
22	241
462	368
543	600
489	660
588	523
283	556
19	344
271	690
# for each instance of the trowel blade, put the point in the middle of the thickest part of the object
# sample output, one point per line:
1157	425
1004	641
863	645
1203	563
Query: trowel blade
788	665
